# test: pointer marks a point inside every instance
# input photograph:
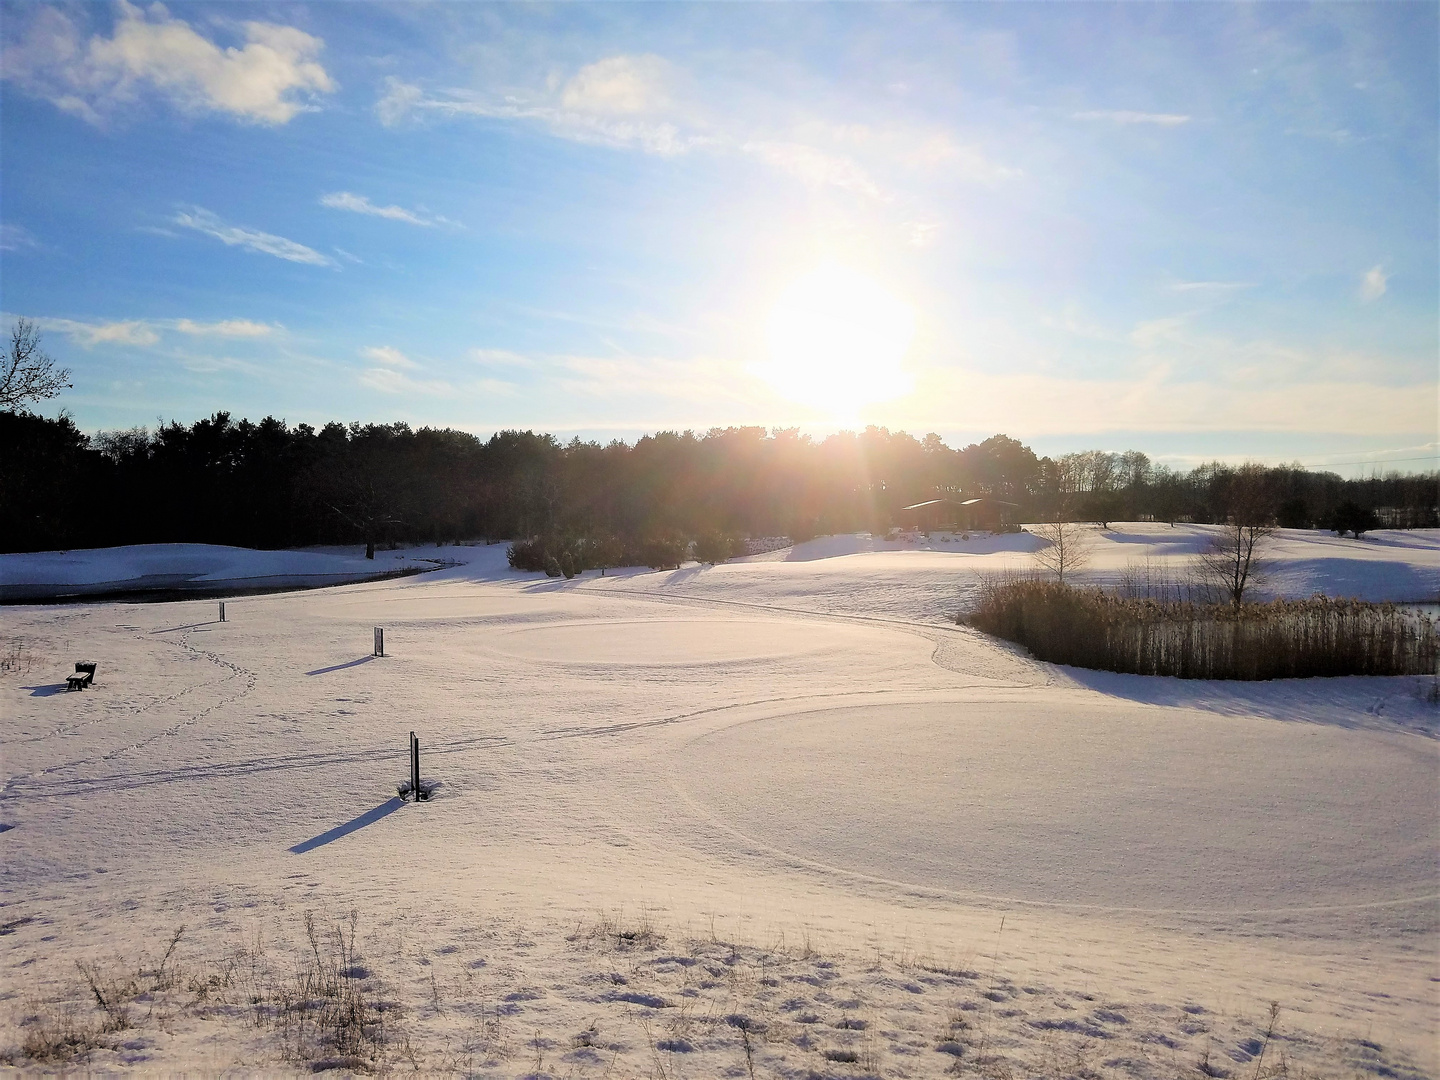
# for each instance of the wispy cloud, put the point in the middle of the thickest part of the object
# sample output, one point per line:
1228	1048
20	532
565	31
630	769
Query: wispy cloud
210	365
619	85
16	238
1209	286
393	375
147	332
359	204
815	167
1373	284
1153	332
266	80
635	102
90	334
500	358
1127	116
592	124
389	356
397	382
230	328
204	221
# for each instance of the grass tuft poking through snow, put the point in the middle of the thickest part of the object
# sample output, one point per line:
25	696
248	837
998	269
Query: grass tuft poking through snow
617	996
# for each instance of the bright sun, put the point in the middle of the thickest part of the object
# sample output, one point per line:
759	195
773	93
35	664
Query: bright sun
836	338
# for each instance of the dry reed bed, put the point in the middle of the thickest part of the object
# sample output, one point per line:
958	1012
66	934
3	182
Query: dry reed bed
1282	639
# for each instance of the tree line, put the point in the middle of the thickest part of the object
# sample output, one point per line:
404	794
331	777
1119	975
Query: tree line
269	484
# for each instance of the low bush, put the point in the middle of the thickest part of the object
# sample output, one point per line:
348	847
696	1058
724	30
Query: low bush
527	554
663	552
1283	639
556	555
717	547
570	555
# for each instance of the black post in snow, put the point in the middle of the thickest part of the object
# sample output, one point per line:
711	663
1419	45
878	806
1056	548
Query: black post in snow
414	767
379	649
222	610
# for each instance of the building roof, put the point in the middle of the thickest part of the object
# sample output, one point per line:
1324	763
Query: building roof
953	502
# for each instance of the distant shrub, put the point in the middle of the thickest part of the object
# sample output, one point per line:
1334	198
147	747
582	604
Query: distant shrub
716	548
526	555
567	556
555	555
663	552
1352	518
1282	639
605	551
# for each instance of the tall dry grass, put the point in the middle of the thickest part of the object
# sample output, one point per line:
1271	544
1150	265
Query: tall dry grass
1140	635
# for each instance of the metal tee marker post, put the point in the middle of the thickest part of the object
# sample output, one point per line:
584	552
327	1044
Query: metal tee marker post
415	789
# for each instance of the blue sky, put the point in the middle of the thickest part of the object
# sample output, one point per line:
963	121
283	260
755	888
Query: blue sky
1198	230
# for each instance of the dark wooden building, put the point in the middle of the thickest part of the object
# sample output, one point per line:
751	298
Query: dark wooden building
968	515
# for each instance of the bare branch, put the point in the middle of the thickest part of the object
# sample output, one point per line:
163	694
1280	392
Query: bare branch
1067	546
27	372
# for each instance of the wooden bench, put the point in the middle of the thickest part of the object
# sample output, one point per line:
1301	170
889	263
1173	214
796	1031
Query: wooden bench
83	677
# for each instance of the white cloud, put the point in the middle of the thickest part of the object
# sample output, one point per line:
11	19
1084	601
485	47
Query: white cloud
231	328
1210	286
359	204
500	358
618	85
397	382
267	80
939	151
210	365
399	100
390	357
204	221
815	167
1374	283
127	332
1126	116
636	102
1153	332
146	332
16	238
626	132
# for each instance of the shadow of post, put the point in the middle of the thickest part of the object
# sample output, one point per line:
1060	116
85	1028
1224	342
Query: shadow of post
389	806
341	667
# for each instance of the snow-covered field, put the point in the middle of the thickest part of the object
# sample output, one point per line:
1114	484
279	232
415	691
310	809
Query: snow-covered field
772	818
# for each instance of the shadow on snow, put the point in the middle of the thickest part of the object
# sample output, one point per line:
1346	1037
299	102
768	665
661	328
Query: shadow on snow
341	667
389	806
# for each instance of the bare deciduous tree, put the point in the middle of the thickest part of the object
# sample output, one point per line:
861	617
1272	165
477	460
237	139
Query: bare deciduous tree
29	374
1232	562
1067	548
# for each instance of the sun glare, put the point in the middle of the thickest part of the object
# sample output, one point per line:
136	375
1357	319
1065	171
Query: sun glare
836	338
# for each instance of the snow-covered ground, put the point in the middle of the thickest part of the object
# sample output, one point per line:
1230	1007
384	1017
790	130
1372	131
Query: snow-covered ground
931	580
775	817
